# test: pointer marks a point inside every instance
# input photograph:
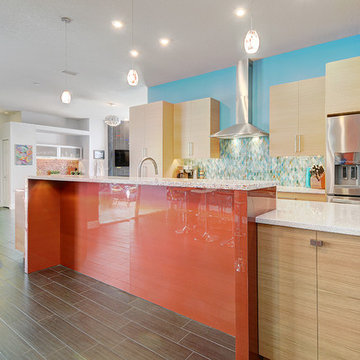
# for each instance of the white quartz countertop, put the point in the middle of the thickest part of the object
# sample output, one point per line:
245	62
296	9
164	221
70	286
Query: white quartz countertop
314	215
302	190
192	183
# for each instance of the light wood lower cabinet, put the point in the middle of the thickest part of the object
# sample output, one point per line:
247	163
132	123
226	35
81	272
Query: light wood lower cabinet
339	297
309	296
301	196
287	293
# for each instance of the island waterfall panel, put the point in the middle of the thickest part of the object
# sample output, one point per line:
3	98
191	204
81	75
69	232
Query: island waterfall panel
190	250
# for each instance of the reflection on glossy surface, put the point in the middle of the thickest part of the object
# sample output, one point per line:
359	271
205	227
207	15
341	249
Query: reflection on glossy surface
173	246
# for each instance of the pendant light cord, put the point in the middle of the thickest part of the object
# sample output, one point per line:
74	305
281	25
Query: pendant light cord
132	31
66	53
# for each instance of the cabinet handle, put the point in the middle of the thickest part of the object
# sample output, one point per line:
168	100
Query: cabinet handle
316	243
295	143
299	142
144	152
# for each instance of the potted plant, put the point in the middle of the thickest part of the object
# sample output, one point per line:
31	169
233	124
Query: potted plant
317	173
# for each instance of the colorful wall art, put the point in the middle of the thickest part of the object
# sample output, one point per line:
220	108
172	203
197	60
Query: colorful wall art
23	155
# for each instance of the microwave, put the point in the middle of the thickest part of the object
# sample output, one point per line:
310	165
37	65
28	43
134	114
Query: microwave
121	158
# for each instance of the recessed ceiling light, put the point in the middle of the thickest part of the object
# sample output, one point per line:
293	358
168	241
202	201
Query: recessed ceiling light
164	41
111	104
240	12
134	53
36	83
117	24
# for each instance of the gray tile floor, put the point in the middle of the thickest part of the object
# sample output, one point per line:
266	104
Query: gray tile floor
60	314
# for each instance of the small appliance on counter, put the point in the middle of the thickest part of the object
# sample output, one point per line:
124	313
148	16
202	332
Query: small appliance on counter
343	159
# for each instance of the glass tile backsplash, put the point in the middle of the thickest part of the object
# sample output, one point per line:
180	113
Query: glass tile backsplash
249	159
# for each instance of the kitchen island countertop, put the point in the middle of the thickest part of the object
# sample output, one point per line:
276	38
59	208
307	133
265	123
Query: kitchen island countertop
186	183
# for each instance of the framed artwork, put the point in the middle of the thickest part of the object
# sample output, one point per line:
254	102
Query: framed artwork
99	154
23	155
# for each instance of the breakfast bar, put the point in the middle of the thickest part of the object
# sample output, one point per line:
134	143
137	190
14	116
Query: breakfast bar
186	245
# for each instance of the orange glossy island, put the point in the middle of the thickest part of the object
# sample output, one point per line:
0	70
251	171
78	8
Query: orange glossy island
189	246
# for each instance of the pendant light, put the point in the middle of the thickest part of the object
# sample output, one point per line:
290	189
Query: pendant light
112	120
252	40
66	94
132	77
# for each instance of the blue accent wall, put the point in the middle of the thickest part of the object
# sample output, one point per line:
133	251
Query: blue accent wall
220	85
296	65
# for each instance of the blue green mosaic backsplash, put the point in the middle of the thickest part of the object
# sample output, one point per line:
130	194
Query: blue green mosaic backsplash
249	159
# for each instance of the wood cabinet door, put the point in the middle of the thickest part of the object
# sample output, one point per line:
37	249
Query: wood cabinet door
284	119
136	137
199	136
343	86
287	293
182	123
339	297
153	144
312	117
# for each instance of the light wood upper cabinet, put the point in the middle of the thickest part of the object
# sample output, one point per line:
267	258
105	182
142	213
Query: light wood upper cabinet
151	132
297	118
312	120
339	297
287	293
194	122
343	86
284	118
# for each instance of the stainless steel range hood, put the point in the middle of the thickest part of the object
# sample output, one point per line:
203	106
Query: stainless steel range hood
243	127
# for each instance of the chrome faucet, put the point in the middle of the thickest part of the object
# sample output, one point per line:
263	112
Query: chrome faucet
142	162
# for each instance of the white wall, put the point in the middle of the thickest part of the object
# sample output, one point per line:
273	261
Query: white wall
20	134
4	135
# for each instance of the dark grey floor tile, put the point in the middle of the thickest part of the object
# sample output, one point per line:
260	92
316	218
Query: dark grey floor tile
65	354
102	299
49	273
55	304
130	350
102	314
11	345
80	277
68	334
29	306
63	293
155	324
35	335
114	292
100	352
23	284
70	283
101	333
38	279
156	343
211	334
195	356
207	348
156	310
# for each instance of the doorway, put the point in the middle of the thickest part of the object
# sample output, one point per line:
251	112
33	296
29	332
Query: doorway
5	183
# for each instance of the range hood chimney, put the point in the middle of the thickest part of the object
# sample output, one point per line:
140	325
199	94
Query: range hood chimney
243	127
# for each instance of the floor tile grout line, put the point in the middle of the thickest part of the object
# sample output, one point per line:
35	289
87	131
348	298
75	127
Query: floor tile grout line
212	341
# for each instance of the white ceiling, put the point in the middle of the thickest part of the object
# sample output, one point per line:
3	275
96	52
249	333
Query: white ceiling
205	36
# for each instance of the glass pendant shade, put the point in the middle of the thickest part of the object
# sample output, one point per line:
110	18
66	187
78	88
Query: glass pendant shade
252	42
112	120
133	77
66	97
